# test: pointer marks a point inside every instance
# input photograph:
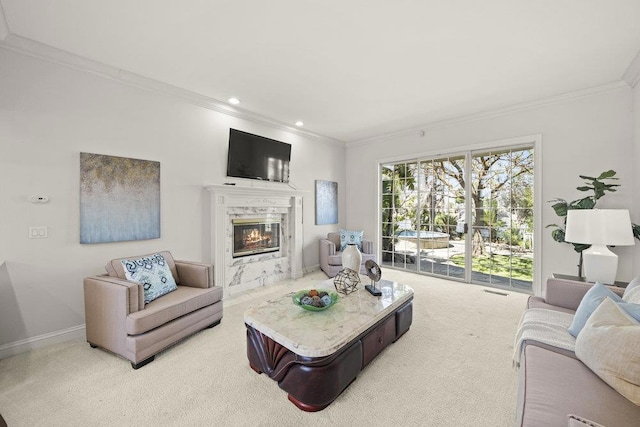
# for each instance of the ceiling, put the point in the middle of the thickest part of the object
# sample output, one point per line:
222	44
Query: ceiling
351	70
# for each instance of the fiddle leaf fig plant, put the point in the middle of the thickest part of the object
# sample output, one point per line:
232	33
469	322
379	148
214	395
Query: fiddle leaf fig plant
599	186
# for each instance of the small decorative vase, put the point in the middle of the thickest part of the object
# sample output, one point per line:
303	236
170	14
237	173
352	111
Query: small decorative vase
352	258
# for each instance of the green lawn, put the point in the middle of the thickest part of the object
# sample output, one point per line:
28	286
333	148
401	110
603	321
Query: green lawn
498	265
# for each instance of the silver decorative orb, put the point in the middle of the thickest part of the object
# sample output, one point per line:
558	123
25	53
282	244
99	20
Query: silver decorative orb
346	281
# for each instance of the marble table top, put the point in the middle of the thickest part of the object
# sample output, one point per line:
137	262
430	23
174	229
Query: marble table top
321	333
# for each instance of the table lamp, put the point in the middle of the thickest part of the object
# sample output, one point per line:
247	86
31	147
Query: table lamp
599	228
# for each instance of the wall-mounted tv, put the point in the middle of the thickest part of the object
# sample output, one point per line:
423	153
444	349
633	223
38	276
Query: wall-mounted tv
256	157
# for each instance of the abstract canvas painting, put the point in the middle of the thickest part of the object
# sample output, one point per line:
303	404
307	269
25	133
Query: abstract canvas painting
326	202
119	199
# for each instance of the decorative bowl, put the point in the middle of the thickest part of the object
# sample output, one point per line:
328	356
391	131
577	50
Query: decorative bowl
297	300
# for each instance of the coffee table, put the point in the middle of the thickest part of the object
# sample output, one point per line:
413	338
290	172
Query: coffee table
315	355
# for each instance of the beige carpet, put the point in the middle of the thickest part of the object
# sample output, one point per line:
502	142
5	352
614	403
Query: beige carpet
453	368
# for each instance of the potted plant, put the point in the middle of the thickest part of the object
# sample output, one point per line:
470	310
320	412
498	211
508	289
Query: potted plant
599	186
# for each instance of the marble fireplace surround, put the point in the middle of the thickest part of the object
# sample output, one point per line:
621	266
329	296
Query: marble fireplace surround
230	202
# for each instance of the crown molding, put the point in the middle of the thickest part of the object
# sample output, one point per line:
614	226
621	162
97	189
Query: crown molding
455	121
632	75
4	25
42	51
49	53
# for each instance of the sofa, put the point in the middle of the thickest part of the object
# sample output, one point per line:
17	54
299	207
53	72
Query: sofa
331	256
555	387
119	320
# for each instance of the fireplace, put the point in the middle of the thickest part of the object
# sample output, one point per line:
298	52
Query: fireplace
282	206
253	236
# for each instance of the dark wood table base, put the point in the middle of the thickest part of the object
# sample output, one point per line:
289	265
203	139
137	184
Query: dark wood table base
314	382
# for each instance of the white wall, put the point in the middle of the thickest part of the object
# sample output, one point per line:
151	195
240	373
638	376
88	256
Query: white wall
49	113
581	136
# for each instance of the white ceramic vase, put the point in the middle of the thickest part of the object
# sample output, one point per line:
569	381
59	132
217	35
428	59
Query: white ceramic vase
352	258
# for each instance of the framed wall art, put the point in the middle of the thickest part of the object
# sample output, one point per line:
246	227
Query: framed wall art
119	199
326	202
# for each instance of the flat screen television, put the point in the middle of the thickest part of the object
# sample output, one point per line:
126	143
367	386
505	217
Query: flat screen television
256	157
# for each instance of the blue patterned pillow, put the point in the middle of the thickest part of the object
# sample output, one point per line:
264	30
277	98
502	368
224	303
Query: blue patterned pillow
590	301
152	273
349	237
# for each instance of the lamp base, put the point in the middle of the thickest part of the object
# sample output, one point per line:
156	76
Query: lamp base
373	291
600	264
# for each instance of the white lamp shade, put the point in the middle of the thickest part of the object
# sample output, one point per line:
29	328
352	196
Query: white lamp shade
599	227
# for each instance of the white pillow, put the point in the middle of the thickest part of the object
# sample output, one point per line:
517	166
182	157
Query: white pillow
632	296
634	284
609	344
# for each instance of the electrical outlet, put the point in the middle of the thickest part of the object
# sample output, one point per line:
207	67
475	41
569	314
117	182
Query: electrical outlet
38	232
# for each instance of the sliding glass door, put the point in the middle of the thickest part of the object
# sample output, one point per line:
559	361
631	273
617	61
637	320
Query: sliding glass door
467	216
502	207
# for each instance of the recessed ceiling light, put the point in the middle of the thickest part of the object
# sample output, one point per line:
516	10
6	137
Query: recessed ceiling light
234	101
299	123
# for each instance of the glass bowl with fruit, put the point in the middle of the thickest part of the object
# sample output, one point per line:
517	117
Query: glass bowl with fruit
314	299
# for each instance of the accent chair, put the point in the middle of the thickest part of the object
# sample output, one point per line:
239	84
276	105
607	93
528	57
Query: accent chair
331	255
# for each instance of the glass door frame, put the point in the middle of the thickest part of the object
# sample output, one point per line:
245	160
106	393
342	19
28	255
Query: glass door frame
530	141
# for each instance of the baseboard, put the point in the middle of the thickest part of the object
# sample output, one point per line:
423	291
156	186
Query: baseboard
311	269
45	340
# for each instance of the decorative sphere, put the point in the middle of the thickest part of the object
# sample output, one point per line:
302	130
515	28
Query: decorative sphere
326	300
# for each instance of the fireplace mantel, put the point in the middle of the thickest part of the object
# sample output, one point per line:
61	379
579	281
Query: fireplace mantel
235	201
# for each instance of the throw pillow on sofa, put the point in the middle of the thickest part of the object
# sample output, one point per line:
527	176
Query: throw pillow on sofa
152	273
588	305
609	345
634	284
632	296
350	237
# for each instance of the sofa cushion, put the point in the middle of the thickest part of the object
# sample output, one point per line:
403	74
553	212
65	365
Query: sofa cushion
116	269
588	305
351	237
335	259
555	386
633	296
609	344
634	284
153	273
182	301
539	302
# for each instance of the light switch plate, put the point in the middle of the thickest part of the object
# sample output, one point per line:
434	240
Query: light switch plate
38	232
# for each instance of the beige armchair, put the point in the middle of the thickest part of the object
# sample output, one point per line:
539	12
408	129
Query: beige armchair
331	256
118	320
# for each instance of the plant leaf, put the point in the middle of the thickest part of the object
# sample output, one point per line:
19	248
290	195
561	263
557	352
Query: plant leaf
560	208
558	235
585	203
608	174
579	247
